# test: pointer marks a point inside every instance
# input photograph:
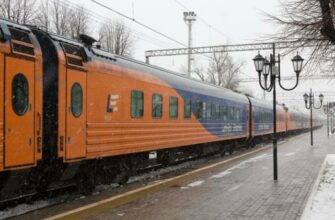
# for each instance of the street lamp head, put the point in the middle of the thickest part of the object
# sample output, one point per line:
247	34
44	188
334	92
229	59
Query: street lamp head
305	97
297	63
259	62
266	68
321	97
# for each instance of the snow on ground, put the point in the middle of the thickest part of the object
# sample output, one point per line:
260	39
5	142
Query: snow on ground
322	199
289	154
196	183
241	165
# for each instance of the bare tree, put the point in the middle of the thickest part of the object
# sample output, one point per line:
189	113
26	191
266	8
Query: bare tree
309	22
60	18
222	71
20	11
116	37
78	22
43	16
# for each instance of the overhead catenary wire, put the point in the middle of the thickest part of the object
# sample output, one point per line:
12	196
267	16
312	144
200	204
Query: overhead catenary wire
102	20
139	23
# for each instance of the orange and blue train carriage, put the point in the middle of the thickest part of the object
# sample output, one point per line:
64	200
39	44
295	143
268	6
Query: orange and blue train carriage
70	111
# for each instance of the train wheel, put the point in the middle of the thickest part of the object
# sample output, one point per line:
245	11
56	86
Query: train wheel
85	183
231	150
123	175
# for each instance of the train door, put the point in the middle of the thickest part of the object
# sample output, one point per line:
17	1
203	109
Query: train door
19	112
76	114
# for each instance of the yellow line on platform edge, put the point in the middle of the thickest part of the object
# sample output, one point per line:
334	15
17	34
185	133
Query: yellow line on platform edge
132	195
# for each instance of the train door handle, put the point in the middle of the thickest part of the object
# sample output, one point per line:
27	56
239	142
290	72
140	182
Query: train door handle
68	139
30	141
39	121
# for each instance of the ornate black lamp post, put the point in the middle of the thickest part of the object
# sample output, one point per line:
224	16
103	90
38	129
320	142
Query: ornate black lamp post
326	110
309	104
267	69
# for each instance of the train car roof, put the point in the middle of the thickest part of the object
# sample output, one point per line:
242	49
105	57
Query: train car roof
181	82
174	79
15	25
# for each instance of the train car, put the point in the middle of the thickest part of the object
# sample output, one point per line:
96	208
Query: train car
20	105
262	119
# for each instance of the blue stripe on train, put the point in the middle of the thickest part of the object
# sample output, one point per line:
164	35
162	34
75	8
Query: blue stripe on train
218	127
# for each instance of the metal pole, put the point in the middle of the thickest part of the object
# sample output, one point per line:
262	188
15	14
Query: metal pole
189	48
311	102
147	61
327	111
331	123
275	167
8	9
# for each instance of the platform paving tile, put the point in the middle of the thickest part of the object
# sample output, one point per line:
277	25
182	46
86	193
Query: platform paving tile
242	190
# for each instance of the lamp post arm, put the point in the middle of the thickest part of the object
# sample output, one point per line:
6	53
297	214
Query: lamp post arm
308	106
266	88
289	89
319	106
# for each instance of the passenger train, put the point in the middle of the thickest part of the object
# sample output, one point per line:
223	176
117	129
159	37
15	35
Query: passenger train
72	112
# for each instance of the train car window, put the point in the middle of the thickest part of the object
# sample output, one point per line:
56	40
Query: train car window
225	113
209	111
137	107
157	106
76	99
73	54
187	108
173	107
198	109
238	112
20	94
221	112
203	110
20	35
217	112
231	113
21	42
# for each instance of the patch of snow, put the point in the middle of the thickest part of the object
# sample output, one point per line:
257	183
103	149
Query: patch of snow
234	188
289	154
321	202
241	165
184	187
196	183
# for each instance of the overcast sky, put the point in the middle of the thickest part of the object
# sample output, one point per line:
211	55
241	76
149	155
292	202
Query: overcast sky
230	21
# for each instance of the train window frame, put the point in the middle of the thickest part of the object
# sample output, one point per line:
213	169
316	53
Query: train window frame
204	110
157	103
132	103
21	42
217	111
231	113
74	55
238	112
74	112
14	106
198	109
187	108
208	110
225	113
173	101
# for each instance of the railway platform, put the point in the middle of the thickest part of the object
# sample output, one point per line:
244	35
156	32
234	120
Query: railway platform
242	188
